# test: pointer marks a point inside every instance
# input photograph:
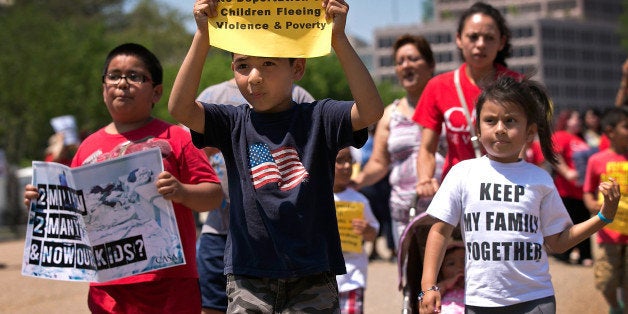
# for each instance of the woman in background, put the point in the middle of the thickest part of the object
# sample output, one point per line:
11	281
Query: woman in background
397	137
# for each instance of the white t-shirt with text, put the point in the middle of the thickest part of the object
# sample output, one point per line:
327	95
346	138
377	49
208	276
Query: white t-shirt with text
504	210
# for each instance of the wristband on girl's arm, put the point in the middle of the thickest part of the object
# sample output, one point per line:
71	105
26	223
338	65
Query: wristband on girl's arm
422	293
604	219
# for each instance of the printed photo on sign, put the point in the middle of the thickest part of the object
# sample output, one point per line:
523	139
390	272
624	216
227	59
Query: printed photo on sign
100	222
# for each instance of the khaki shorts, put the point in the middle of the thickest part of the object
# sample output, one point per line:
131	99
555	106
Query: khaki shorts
610	267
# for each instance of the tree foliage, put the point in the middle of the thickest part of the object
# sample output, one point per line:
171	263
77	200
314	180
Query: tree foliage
48	70
52	63
623	22
52	57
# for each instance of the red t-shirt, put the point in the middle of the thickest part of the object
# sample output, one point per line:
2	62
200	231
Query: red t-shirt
604	142
63	161
180	157
534	153
595	169
566	144
439	107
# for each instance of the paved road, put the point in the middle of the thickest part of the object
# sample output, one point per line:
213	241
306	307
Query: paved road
575	292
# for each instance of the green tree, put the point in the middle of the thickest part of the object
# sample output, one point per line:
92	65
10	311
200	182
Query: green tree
390	91
52	63
324	78
48	70
623	22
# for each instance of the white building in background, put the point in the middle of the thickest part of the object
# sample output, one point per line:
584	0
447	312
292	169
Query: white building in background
572	45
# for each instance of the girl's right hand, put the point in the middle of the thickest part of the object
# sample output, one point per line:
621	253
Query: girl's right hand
612	194
30	193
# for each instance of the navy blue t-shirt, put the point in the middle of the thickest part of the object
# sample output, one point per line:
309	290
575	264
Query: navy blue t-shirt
281	172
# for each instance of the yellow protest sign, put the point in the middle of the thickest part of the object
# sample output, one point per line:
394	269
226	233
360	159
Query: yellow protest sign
618	170
345	213
266	28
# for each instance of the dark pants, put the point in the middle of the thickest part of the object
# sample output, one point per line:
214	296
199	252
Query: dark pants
578	213
210	262
545	305
378	195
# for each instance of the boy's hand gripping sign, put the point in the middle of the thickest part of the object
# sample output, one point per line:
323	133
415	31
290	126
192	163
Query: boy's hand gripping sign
271	28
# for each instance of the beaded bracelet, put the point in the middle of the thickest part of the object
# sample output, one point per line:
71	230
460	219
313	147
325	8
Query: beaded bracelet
604	219
422	293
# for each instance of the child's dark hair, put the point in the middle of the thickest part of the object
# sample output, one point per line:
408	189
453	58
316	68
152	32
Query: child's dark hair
532	97
150	61
488	10
612	117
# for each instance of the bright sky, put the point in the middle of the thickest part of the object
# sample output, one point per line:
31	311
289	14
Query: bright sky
364	15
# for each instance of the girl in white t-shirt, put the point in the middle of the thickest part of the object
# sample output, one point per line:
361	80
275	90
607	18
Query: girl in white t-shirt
508	209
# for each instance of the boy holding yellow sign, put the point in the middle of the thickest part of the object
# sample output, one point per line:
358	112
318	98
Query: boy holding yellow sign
356	223
283	242
610	268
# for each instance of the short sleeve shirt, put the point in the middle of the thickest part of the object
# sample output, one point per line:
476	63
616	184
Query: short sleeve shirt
608	163
505	210
280	170
184	161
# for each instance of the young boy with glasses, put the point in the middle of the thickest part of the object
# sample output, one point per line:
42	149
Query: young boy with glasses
283	247
132	84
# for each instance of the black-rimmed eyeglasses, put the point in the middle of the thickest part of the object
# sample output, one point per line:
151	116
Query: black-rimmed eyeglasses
113	79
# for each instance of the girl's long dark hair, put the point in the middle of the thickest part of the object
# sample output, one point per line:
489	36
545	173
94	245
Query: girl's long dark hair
532	97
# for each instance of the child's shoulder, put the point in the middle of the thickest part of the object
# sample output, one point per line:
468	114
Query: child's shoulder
350	194
159	126
607	155
467	164
445	78
325	107
168	131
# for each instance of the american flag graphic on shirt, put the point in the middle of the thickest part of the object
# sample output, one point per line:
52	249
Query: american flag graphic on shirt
281	166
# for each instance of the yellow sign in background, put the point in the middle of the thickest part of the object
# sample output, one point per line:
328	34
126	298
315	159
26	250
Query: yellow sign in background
265	28
618	170
345	213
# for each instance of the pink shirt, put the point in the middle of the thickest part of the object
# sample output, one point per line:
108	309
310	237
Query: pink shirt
453	302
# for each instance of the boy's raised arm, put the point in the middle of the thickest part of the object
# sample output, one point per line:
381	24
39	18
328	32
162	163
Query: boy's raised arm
368	107
182	104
